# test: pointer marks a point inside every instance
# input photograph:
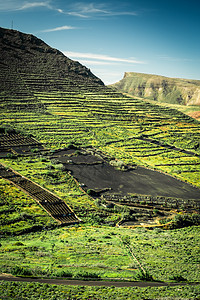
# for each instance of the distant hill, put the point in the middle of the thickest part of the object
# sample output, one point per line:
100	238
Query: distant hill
160	88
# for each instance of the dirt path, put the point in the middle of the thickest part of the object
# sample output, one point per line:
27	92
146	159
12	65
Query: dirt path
93	282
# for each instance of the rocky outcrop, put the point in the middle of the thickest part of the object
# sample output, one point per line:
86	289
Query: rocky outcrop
160	88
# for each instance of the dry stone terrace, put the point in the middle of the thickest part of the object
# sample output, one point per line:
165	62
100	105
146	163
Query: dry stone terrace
16	143
53	205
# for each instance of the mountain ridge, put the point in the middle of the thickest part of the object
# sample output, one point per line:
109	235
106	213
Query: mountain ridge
160	88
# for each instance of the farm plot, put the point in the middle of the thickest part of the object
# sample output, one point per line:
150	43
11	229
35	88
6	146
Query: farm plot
16	143
96	173
51	203
19	212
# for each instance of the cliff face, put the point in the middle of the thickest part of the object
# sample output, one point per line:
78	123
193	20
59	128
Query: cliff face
160	88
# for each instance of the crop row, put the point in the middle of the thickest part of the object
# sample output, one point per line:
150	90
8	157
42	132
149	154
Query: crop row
56	207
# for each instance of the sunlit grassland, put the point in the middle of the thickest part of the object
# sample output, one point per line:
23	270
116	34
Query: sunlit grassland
99	250
35	290
187	109
59	109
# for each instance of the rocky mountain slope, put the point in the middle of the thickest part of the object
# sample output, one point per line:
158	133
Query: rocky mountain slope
25	53
160	88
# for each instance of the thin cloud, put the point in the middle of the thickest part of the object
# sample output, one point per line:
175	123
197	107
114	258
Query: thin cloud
10	5
174	59
34	5
92	10
60	11
20	5
101	57
59	29
80	10
96	62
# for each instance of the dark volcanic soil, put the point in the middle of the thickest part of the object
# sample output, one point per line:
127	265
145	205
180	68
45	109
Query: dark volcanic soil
95	173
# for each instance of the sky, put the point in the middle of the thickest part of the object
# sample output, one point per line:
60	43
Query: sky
112	37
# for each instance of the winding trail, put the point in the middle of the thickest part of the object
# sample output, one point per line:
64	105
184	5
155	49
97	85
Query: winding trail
93	282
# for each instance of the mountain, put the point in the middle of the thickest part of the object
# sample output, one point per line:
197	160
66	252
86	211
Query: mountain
160	88
22	53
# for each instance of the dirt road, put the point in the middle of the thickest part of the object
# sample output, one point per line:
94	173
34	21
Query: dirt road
92	282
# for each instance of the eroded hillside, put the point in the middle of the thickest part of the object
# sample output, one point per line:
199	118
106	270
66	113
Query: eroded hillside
160	88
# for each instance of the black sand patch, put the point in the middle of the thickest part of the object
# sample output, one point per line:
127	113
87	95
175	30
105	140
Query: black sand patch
95	173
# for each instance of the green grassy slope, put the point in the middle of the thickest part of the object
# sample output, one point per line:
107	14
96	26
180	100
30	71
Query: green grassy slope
116	125
100	252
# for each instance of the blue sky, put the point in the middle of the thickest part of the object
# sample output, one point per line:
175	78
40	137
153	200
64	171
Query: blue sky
112	37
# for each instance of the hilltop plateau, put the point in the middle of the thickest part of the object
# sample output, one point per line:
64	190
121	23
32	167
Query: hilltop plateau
76	153
160	88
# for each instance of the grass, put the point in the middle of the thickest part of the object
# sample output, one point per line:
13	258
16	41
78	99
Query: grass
99	251
19	212
60	183
14	290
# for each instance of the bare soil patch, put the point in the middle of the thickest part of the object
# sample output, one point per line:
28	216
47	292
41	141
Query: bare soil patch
96	173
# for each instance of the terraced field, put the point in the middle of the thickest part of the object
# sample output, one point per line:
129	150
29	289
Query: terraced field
75	152
55	207
126	128
57	102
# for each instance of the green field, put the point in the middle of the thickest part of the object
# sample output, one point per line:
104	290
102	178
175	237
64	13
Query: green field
36	291
101	252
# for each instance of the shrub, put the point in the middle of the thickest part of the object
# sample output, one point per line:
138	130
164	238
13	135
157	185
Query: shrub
60	167
18	244
85	275
145	276
62	273
118	164
185	220
18	270
34	150
177	278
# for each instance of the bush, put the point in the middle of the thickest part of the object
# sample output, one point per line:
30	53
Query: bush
177	278
62	273
34	150
185	220
18	244
60	167
18	270
85	275
118	164
145	276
